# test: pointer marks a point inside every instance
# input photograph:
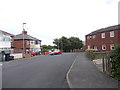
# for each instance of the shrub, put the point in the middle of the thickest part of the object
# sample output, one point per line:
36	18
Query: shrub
92	50
90	54
115	56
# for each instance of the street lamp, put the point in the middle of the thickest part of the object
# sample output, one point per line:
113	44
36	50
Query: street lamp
23	36
61	45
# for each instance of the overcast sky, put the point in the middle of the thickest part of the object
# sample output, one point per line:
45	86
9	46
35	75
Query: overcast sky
50	19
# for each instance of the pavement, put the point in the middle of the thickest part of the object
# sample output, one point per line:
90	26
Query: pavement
84	74
98	63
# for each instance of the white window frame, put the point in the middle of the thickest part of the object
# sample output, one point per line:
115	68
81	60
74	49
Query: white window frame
28	42
102	35
96	47
103	47
112	34
94	36
88	47
112	46
32	42
88	37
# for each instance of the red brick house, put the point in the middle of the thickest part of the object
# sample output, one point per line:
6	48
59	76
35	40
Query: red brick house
103	39
24	42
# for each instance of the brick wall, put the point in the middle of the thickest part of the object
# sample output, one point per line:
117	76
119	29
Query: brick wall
18	44
98	41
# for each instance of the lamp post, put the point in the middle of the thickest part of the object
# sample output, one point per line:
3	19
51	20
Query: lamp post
58	44
23	37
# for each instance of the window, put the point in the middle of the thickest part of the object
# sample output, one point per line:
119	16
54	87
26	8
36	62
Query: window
112	34
95	47
31	42
36	42
88	46
0	38
103	47
88	37
28	43
94	36
103	35
4	39
112	47
7	38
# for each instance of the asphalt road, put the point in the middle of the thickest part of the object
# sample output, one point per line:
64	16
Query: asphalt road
0	75
37	72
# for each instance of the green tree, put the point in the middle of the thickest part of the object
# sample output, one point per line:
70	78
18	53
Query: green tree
67	44
76	43
47	47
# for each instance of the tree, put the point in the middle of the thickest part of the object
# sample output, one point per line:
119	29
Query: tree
47	47
67	44
76	43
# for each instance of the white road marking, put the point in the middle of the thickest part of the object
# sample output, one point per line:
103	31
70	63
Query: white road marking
67	75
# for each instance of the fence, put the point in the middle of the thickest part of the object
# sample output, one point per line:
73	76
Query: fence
106	60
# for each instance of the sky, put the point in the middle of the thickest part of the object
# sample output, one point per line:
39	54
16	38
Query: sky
50	19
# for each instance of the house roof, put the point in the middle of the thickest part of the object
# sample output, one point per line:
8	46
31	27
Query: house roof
26	37
6	33
110	28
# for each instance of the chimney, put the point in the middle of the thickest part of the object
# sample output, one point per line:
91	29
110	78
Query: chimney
24	32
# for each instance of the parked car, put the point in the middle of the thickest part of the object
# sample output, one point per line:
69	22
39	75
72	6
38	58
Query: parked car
33	53
55	52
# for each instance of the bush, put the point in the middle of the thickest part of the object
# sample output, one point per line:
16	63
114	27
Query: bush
115	56
91	50
90	54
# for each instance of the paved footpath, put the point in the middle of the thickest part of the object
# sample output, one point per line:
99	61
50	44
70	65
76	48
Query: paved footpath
84	74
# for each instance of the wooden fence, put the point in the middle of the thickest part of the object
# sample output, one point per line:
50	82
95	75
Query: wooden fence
106	60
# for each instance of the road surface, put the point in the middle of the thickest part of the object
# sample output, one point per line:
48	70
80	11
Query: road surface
38	72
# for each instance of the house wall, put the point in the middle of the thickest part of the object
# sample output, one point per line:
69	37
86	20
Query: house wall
35	47
4	44
98	41
119	36
5	41
18	45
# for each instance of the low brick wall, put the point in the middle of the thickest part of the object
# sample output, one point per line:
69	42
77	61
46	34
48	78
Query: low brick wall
17	55
27	56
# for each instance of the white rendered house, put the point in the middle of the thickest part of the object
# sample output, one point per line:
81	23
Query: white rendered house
5	41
